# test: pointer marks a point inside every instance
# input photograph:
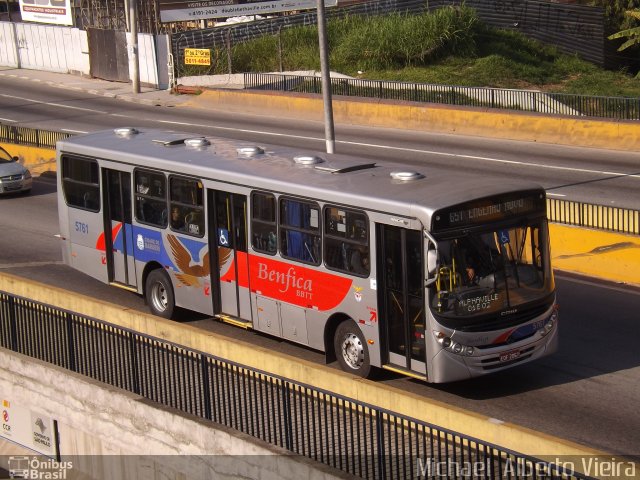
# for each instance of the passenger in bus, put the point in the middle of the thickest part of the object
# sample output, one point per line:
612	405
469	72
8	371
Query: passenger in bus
360	262
143	186
177	219
474	258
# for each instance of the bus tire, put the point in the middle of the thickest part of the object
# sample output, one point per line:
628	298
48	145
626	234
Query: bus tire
159	294
351	349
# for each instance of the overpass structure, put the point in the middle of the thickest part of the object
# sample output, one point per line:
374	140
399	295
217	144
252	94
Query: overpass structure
215	397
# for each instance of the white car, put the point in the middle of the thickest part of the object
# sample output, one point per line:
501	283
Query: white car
14	177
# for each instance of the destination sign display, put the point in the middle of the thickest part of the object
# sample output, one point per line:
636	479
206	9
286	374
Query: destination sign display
490	210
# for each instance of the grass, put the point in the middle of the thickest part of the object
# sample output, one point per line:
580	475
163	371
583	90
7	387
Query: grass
449	46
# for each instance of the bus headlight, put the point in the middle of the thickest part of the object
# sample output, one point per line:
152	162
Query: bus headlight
549	324
452	346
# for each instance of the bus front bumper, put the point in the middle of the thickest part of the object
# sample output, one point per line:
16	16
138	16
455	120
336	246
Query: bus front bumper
448	366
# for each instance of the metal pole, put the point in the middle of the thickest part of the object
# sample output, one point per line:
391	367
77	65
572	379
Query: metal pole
326	79
133	45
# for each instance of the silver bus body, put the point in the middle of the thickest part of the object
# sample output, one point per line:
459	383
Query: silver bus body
359	260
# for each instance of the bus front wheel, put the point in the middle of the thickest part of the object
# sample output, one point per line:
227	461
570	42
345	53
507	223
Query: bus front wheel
351	349
159	294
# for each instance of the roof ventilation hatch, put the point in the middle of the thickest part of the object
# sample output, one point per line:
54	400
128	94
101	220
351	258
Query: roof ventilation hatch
406	176
125	131
307	160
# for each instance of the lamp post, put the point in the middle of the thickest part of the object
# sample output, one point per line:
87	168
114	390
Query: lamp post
132	48
329	132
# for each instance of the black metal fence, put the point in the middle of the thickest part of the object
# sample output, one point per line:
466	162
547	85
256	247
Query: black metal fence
30	136
352	436
620	108
601	217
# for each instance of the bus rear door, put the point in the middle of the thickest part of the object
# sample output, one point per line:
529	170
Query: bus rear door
401	297
118	232
230	269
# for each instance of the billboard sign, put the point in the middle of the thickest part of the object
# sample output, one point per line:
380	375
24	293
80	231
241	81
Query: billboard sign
184	10
57	12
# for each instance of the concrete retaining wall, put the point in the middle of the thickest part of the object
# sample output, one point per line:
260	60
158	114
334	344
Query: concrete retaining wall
107	433
482	122
599	254
37	160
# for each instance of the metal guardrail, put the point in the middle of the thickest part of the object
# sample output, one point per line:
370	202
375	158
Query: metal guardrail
349	435
31	136
601	217
620	108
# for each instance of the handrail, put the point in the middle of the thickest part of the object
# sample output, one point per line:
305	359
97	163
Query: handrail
618	108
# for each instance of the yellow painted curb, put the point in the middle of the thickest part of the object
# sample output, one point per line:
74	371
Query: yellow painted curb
485	122
37	160
600	254
506	435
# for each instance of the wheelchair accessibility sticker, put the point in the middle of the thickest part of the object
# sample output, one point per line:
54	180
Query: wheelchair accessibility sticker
223	237
504	236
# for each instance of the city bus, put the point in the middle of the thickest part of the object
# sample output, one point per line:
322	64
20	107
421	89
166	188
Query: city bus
437	276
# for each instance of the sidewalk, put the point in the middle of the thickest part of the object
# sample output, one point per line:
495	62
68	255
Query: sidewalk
96	86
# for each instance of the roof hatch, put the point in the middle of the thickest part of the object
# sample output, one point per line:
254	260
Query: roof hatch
405	175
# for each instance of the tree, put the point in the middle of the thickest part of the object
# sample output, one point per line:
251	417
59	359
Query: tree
631	34
614	11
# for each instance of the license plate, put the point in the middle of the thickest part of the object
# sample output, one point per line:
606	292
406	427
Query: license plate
508	356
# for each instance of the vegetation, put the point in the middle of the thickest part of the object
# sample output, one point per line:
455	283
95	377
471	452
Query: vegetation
448	46
631	34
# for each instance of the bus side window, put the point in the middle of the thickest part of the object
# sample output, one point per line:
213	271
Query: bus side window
151	201
263	223
346	241
187	206
80	183
300	230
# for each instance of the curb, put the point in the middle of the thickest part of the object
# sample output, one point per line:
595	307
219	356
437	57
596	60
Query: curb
437	118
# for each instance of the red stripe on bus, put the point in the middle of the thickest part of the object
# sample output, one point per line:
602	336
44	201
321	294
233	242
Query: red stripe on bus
295	284
101	242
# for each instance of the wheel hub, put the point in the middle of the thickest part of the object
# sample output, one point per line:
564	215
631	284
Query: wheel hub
353	351
159	297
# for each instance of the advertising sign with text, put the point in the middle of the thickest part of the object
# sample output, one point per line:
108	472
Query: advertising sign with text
28	428
182	10
57	12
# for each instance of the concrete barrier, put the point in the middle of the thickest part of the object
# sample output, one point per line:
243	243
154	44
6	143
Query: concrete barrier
483	122
595	253
108	433
506	435
37	160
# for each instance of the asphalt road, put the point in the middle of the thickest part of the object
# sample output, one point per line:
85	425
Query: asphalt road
587	392
606	177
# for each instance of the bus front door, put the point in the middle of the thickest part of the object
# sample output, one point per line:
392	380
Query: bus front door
401	297
118	234
230	269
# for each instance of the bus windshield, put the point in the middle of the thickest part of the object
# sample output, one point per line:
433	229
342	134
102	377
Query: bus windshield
491	271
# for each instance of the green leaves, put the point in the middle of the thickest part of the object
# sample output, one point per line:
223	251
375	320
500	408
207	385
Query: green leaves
631	34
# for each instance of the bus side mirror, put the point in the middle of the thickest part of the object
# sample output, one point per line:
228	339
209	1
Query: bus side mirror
432	267
432	263
432	260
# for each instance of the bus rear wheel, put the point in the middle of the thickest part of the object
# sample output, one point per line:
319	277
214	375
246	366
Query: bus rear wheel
159	294
351	349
